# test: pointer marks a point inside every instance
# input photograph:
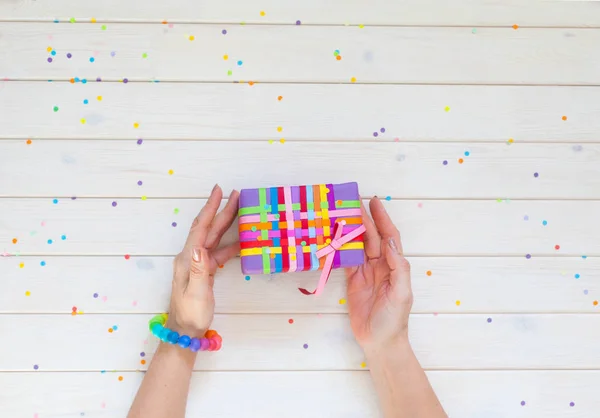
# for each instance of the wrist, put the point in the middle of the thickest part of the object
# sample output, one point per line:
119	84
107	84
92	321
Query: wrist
395	347
182	329
187	357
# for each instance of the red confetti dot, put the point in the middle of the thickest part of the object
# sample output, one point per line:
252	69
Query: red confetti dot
557	247
291	321
127	256
74	308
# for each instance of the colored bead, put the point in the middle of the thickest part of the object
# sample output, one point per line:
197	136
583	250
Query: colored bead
204	344
210	333
212	345
156	329
164	333
218	338
184	341
153	323
173	337
194	344
218	344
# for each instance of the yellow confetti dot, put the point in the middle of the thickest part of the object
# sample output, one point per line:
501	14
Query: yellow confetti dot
342	301
99	98
363	364
457	303
192	37
270	141
83	121
225	57
279	129
353	80
447	108
93	20
27	293
144	197
510	140
136	125
21	265
171	172
361	26
282	140
262	13
49	49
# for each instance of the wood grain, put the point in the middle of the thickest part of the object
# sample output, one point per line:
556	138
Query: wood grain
268	53
341	394
339	12
315	112
429	228
443	341
101	285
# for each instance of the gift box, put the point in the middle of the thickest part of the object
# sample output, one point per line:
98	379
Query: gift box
300	228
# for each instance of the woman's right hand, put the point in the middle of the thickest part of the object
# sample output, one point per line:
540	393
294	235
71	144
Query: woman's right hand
379	291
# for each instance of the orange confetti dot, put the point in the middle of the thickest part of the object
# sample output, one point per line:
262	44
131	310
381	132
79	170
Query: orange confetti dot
280	98
457	303
110	330
192	37
28	142
72	81
120	378
164	22
143	361
14	240
250	83
595	303
73	313
564	118
339	58
460	161
429	272
221	266
515	27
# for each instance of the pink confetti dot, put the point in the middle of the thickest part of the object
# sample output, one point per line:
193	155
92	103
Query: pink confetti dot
134	303
419	205
104	298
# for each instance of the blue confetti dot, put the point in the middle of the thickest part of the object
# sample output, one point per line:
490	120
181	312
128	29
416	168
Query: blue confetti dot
43	263
55	20
247	278
467	153
84	81
92	59
77	80
86	101
577	276
388	198
445	162
63	237
55	201
544	223
50	241
240	62
115	327
53	53
489	320
584	256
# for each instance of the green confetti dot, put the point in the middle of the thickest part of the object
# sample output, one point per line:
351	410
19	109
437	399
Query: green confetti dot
144	55
55	108
103	27
474	30
229	72
72	20
175	211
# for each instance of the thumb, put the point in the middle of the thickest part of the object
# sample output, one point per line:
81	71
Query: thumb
399	268
200	278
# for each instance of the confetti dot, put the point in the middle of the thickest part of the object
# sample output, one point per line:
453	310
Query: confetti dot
305	346
526	218
279	129
429	273
291	321
363	364
564	118
544	223
42	263
536	175
136	125
36	367
92	59
247	278
557	247
127	256
460	161
85	101
528	256
262	13
253	229
139	183
457	303
14	240
339	58
585	291
298	22
353	80
115	328
28	142
145	55
21	265
445	162
577	275
174	224
225	57
99	98
27	293
489	320
49	59
120	378
282	140
83	121
515	27
303	243
114	204
95	295
140	141
522	403
510	141
125	80
191	38
280	98
113	53
240	63
143	197
142	361
63	237
55	108
375	134
467	153
224	32
382	130
171	172
103	27
595	303
342	301
50	241
447	108
388	198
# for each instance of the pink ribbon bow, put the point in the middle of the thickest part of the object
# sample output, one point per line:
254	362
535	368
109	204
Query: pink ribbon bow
329	251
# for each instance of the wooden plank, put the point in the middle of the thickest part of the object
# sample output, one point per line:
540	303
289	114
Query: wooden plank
143	285
404	170
269	342
306	112
376	12
273	53
429	228
492	394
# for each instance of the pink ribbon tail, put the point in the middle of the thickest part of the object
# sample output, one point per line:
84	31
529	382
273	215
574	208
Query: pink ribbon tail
330	250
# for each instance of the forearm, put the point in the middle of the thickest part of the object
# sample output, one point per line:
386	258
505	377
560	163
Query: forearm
164	390
402	386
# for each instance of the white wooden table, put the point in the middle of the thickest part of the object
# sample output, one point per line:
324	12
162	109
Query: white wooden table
118	116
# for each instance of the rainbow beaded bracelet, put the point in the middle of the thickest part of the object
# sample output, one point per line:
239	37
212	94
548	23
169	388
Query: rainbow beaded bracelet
211	342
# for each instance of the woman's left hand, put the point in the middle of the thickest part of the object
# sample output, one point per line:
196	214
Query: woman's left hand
192	298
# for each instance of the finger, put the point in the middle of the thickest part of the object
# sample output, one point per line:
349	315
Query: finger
384	224
371	237
200	278
223	221
399	269
201	223
224	254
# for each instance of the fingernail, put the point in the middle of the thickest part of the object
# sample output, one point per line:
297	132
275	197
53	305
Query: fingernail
393	245
196	254
214	188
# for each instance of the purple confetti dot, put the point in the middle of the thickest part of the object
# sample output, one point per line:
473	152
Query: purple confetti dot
69	55
572	404
35	367
526	217
113	53
522	403
305	346
298	22
98	79
125	81
224	32
382	130
142	354
489	320
528	256
140	183
585	292
114	204
174	224
95	295
73	197
139	141
375	134
445	162
536	175
49	59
